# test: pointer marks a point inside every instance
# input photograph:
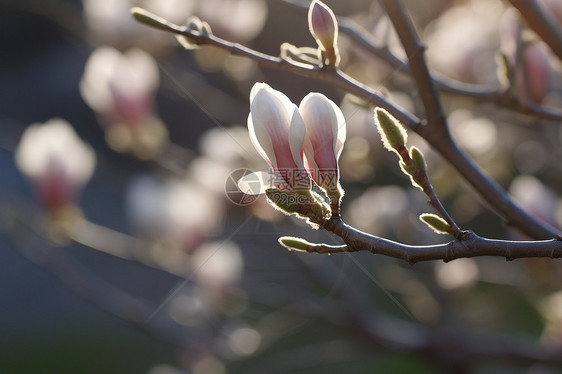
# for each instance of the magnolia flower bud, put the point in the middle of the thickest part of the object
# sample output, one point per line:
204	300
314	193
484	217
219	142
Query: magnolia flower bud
277	131
323	144
324	28
533	73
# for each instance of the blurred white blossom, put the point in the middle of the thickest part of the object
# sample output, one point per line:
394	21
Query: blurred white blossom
193	213
378	209
119	85
534	196
453	275
478	135
235	20
230	146
462	42
218	264
110	22
244	341
181	213
56	160
120	88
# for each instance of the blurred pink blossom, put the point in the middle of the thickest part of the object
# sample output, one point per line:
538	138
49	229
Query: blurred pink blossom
533	73
120	88
463	40
57	162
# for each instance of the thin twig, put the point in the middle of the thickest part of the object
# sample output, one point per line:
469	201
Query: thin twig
436	204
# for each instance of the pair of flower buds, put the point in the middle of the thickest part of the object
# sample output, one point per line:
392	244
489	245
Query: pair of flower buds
300	144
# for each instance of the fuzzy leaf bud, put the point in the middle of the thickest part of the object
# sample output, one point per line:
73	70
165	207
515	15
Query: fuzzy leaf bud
436	223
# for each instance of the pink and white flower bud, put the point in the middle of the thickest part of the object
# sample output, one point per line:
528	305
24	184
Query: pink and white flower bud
533	73
324	139
57	162
277	131
324	28
323	25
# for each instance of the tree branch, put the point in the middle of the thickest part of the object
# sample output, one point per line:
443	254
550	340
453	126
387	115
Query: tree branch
442	142
414	49
490	94
542	23
394	334
437	133
468	245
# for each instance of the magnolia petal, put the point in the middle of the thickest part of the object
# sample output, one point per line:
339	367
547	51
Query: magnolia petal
321	125
257	87
297	132
316	102
268	123
341	129
263	144
256	183
260	86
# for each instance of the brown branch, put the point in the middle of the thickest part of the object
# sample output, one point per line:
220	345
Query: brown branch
542	23
468	245
436	204
414	49
438	135
482	93
441	141
394	334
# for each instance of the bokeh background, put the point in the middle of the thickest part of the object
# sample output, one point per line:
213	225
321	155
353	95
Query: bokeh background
204	287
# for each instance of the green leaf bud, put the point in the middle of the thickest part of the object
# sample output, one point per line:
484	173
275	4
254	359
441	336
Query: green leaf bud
286	202
436	223
151	19
418	160
294	243
392	133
